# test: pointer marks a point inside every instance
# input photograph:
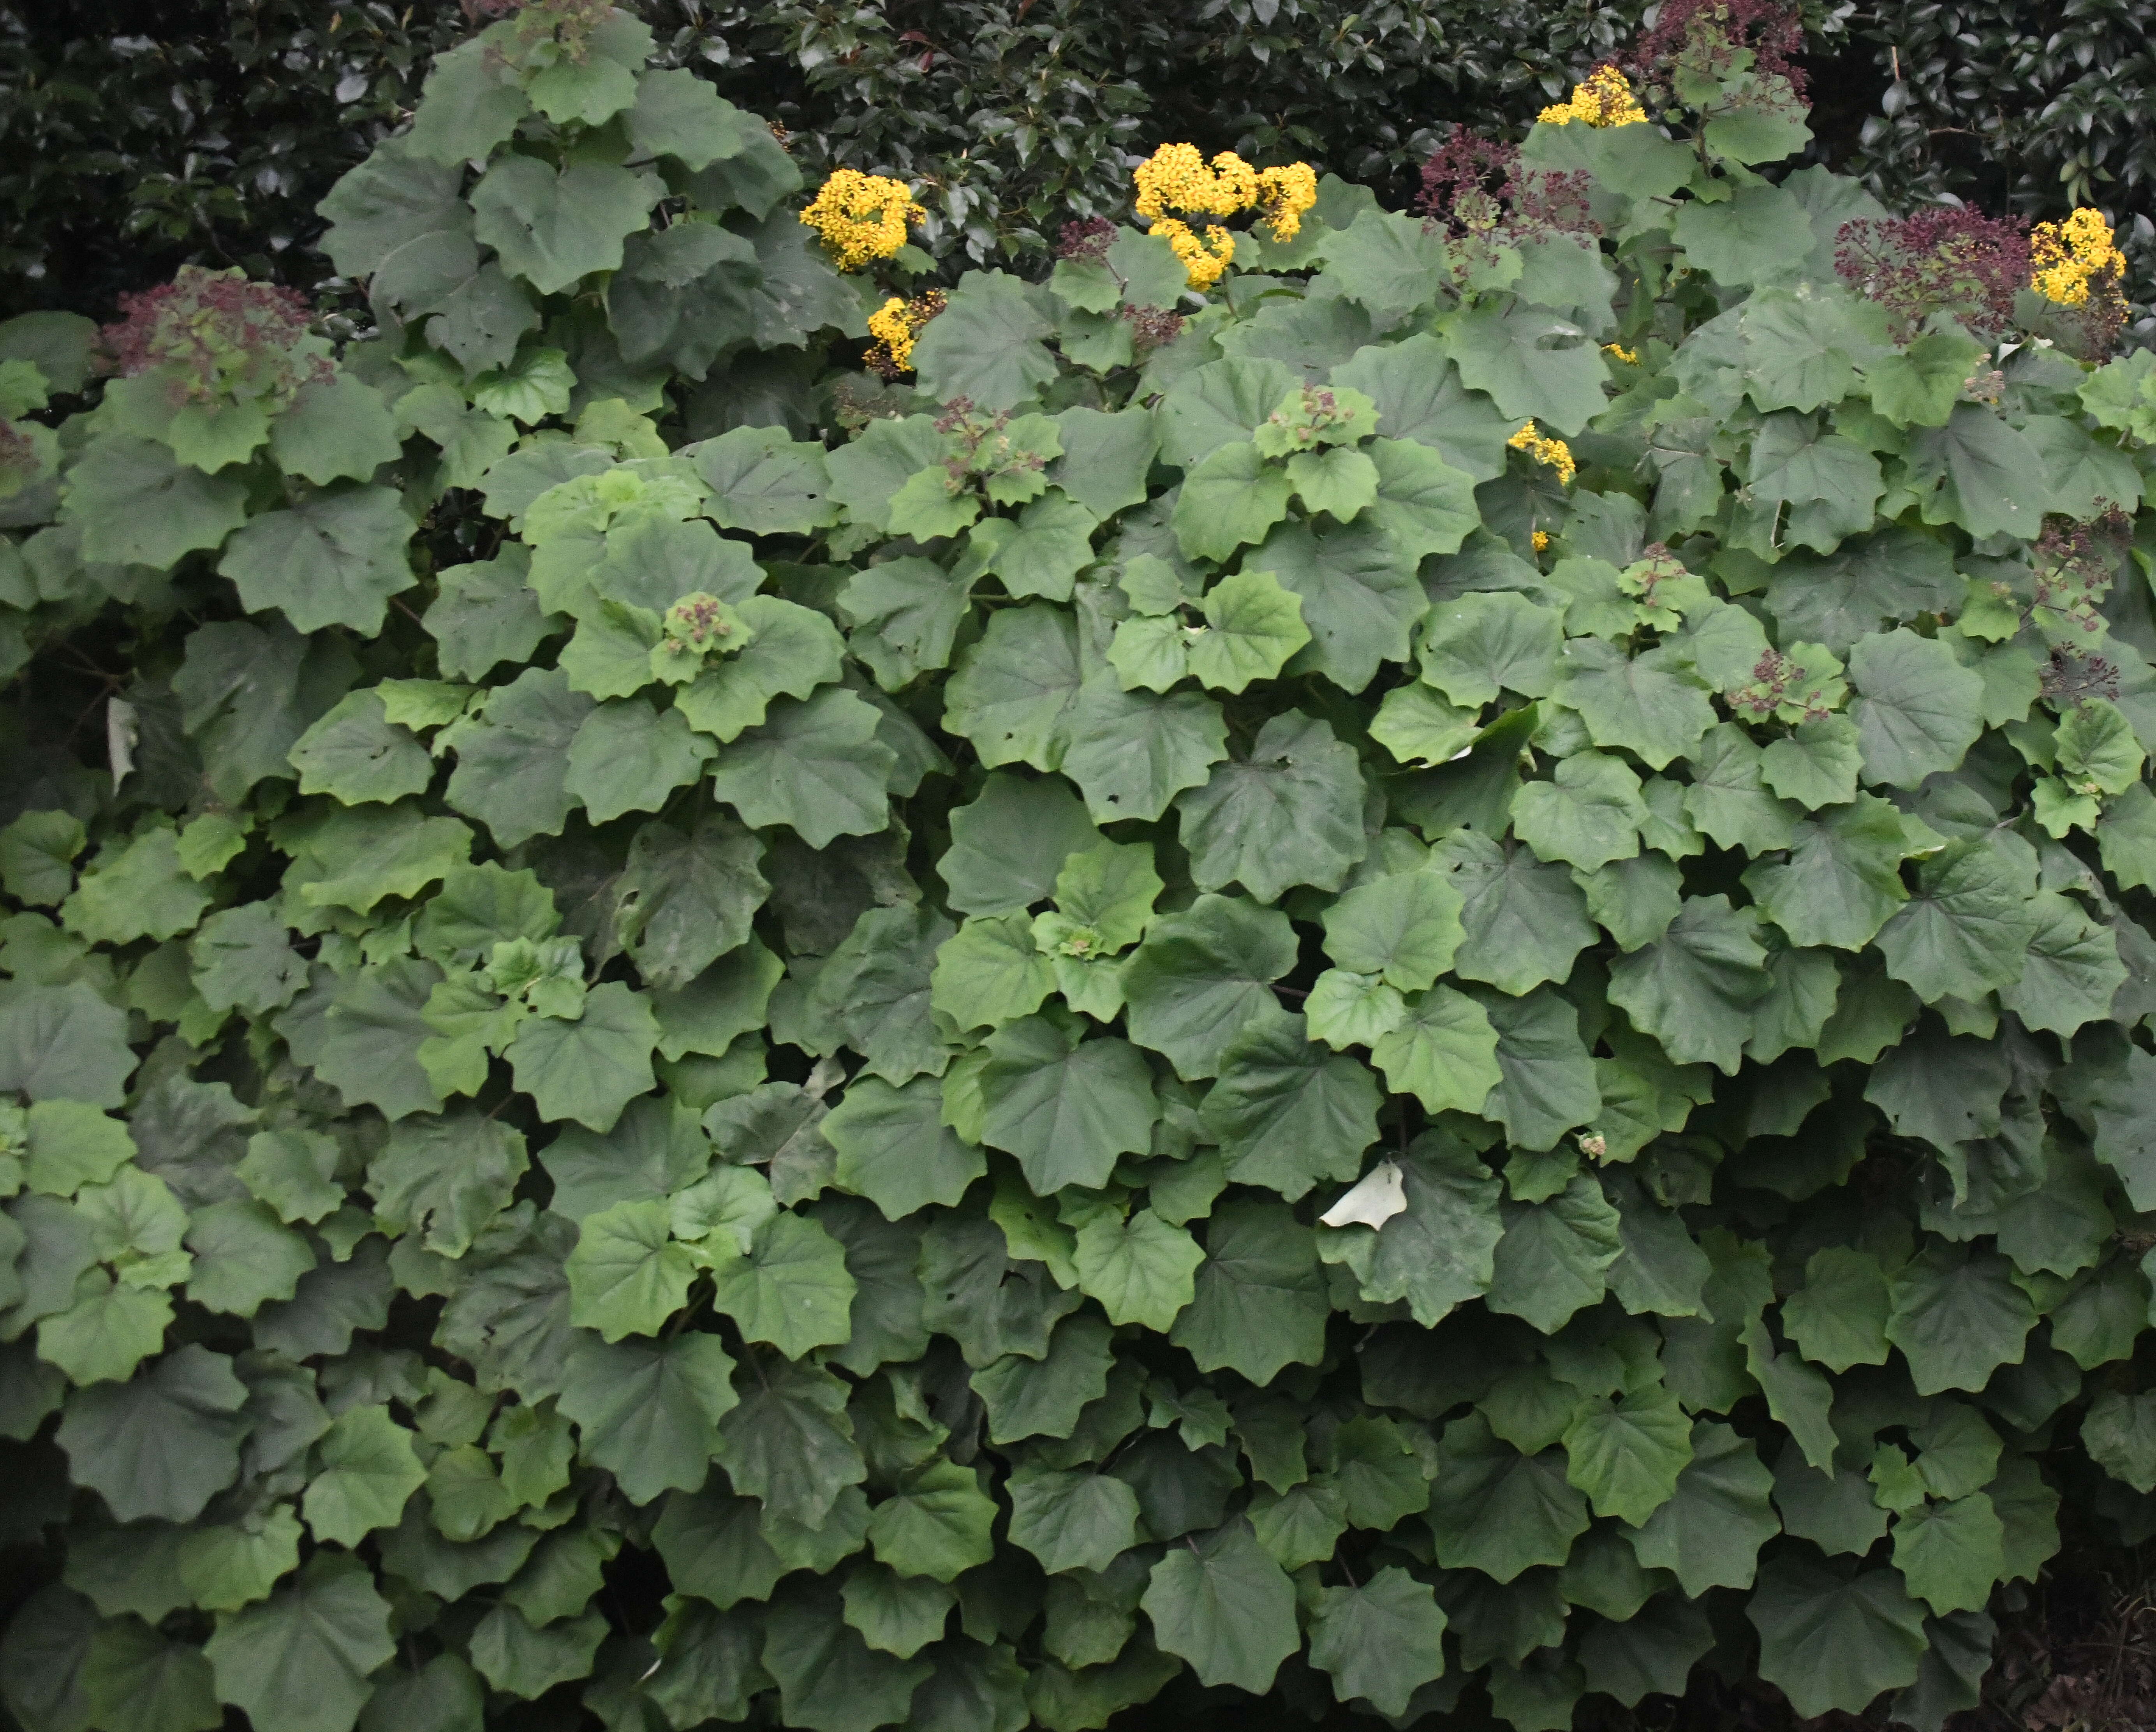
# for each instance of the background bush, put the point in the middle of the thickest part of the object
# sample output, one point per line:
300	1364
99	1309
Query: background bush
2015	108
140	136
680	1021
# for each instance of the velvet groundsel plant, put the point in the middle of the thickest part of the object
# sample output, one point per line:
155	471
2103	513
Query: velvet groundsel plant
1976	269
1422	993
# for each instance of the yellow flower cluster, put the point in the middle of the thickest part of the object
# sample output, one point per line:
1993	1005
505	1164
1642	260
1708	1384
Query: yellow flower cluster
1205	257
1284	194
1176	179
1555	452
1604	100
2071	254
896	325
1618	352
862	216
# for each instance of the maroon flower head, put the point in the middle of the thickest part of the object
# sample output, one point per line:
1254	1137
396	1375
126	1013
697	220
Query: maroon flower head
2076	563
1477	185
1465	183
2066	678
18	457
568	22
1946	260
1087	242
212	333
1152	327
1707	32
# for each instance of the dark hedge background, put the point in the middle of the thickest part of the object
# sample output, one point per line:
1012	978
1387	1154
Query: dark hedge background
139	135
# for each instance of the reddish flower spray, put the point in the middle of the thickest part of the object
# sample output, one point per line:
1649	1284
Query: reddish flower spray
1476	186
212	334
1086	243
1705	36
1943	260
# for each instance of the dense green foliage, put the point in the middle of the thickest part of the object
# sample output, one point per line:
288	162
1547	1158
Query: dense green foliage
142	136
1146	1017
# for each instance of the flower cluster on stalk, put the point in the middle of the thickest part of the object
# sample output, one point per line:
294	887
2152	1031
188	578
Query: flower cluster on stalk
566	24
1477	187
896	325
1086	242
1603	98
1554	453
1152	327
1944	260
862	216
1176	182
2076	563
2071	256
212	335
1708	37
19	461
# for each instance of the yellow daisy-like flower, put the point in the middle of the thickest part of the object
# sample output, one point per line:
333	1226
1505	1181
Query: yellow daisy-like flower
1176	181
1603	99
1175	178
1554	452
896	325
1284	194
1205	257
862	216
2069	256
888	325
